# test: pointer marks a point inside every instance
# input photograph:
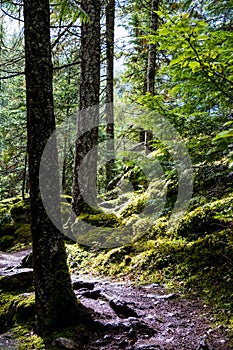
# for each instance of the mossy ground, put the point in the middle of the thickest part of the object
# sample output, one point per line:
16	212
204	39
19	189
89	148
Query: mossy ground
195	258
17	315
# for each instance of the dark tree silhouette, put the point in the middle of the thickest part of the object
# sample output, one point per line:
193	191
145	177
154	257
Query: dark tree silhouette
85	169
56	303
110	23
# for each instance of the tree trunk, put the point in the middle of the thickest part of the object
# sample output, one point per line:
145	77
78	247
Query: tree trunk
152	49
24	182
151	66
110	23
85	168
56	303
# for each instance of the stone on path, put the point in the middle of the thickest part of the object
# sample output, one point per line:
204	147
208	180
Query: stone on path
122	309
17	281
66	344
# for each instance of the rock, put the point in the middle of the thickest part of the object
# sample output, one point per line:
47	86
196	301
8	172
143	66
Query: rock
17	281
20	212
93	294
122	309
83	285
64	343
139	327
167	296
147	347
8	342
27	262
204	343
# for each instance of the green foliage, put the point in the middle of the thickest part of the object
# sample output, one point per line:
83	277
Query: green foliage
224	140
68	10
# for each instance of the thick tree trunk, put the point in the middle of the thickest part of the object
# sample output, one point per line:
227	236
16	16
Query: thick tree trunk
85	169
152	49
110	23
24	182
151	64
56	303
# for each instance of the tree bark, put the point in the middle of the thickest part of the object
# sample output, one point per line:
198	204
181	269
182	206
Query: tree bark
110	23
56	304
85	168
152	49
24	181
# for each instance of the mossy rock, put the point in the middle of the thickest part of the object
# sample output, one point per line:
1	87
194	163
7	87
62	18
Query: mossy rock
101	219
7	229
20	212
209	218
22	281
134	207
23	234
14	309
25	309
13	234
6	242
95	237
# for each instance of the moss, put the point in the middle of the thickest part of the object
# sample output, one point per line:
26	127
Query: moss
135	206
17	312
23	234
206	219
15	308
196	258
25	310
6	242
27	339
20	212
101	219
14	235
77	255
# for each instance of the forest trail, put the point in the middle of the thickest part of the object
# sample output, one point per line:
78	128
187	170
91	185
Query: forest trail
135	317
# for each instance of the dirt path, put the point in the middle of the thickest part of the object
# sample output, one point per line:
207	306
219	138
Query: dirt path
138	318
158	320
12	260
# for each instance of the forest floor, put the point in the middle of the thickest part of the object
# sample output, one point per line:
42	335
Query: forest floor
134	317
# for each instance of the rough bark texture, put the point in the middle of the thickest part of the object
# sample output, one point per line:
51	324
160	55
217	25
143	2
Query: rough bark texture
152	49
110	22
84	182
56	303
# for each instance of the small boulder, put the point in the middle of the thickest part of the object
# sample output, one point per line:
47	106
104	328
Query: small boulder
91	294
83	285
148	347
64	343
20	212
122	309
18	281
